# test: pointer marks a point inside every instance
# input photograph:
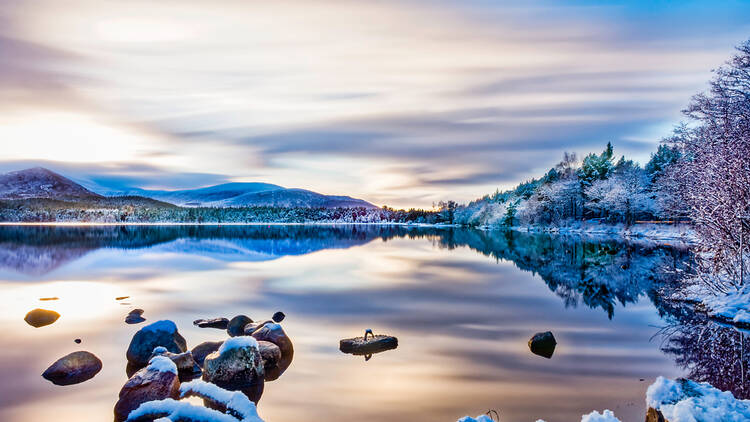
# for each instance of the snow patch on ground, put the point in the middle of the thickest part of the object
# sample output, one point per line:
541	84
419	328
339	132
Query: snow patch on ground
689	401
237	343
606	416
162	364
480	418
236	401
163	325
681	232
731	307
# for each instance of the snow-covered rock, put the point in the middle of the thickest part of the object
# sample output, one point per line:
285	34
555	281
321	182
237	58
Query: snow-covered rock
226	406
237	365
160	333
157	381
688	401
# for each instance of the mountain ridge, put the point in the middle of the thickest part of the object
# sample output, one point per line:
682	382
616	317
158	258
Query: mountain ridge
41	183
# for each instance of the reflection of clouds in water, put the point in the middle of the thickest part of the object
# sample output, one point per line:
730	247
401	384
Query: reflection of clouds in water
462	320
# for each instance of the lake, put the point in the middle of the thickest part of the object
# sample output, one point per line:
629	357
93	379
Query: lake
463	304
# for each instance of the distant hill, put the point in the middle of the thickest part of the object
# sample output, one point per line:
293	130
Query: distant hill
42	184
252	194
39	182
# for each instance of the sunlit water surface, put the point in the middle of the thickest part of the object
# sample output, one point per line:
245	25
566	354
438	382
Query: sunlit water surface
462	303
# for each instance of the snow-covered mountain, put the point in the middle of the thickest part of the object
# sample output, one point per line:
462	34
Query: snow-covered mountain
42	183
39	182
251	194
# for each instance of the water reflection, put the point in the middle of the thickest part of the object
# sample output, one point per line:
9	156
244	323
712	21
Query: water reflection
463	321
710	352
597	272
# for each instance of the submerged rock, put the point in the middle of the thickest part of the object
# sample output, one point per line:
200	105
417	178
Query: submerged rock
543	344
204	349
160	333
41	317
220	323
237	365
73	368
134	317
278	316
157	381
236	326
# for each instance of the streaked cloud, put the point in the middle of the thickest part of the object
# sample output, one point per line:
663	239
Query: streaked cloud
403	103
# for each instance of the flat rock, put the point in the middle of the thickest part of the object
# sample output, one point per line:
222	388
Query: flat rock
73	368
134	317
157	381
543	344
41	317
374	344
220	323
160	333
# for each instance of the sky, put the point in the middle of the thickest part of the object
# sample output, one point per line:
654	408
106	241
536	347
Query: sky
402	103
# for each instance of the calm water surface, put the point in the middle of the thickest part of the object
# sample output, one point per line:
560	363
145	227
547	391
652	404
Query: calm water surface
462	303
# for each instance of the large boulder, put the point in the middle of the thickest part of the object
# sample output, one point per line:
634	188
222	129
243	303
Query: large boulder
543	344
237	365
204	349
41	317
273	333
236	325
73	368
160	333
157	381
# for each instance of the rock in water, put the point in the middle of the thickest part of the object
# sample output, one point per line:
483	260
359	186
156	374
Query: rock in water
273	333
361	346
271	355
220	323
278	316
134	317
204	349
187	367
41	317
237	365
236	326
543	344
157	381
74	368
160	333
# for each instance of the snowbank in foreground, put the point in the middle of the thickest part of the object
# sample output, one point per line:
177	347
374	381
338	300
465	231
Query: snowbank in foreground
678	401
606	416
690	401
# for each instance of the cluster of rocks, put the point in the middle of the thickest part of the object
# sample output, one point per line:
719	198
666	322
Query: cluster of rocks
254	353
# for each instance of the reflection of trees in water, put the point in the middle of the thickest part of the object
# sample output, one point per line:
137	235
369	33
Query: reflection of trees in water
710	352
596	272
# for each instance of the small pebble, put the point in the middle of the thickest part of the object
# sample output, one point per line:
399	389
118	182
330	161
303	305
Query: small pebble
278	316
78	341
